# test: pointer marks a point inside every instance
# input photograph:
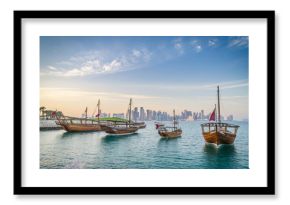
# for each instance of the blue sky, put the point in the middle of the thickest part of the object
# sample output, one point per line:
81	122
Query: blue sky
158	72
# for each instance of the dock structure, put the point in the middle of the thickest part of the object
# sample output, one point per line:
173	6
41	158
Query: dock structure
49	125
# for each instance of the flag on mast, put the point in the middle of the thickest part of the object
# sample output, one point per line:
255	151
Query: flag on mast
212	116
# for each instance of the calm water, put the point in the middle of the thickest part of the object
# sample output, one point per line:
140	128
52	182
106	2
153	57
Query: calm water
145	150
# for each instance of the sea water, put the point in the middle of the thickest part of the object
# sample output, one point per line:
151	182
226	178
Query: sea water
144	150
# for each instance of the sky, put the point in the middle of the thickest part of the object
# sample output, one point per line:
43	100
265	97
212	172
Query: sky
157	72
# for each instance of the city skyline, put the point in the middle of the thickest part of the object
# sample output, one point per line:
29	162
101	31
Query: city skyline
141	114
159	73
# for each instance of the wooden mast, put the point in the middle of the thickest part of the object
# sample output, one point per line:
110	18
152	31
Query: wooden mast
130	105
99	110
218	96
215	116
174	119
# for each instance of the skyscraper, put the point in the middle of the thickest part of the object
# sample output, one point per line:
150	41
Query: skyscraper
135	114
230	118
149	115
154	115
142	114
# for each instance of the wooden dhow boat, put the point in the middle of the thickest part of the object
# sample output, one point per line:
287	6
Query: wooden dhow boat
122	128
141	125
73	124
218	132
169	132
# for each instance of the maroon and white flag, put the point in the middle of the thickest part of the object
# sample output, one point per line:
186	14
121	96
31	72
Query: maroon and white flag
212	116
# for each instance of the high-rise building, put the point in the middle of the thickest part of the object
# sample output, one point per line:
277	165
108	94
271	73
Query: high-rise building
142	114
230	118
135	114
164	116
149	115
186	115
195	116
159	116
202	114
154	114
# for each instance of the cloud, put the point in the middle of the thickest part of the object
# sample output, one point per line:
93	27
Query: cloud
212	42
140	55
178	45
51	68
239	41
136	53
96	62
196	45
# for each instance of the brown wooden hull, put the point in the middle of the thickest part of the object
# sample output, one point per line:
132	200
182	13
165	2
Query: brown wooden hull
170	134
218	137
121	131
81	127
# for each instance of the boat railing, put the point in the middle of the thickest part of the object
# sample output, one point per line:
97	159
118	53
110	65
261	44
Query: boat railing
219	126
76	120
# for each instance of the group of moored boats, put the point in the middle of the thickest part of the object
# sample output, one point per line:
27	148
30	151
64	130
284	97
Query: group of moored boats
216	132
113	127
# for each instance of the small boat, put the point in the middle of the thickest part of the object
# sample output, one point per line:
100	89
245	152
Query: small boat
141	125
121	128
169	132
72	124
218	132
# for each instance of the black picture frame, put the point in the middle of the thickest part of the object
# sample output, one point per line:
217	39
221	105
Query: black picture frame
18	95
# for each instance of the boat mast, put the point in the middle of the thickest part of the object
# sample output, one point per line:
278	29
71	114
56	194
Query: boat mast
174	119
130	107
99	110
219	111
86	112
215	113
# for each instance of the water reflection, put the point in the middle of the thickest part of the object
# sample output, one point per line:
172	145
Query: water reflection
168	143
220	157
74	134
212	149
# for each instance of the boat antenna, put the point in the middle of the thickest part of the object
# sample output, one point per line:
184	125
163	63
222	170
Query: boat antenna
219	111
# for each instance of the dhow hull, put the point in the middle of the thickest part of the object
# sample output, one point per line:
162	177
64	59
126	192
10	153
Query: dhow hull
219	137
